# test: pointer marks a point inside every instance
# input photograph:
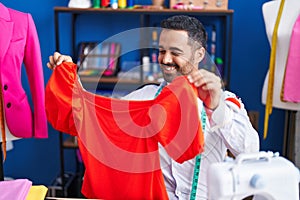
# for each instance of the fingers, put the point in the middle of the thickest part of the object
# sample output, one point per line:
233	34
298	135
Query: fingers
205	79
51	64
209	87
56	59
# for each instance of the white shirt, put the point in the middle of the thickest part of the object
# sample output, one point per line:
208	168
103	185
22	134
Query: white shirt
227	127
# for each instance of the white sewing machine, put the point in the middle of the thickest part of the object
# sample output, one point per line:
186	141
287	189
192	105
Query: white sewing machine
265	174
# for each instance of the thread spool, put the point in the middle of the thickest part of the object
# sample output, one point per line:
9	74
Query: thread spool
96	3
130	3
105	3
122	3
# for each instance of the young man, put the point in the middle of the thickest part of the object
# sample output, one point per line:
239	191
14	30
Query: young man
182	45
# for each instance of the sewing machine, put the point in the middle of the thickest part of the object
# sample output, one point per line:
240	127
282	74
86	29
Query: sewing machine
265	174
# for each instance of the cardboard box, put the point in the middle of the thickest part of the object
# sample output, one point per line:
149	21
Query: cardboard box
202	4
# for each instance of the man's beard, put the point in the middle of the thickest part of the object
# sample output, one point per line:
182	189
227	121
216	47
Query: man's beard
185	70
170	77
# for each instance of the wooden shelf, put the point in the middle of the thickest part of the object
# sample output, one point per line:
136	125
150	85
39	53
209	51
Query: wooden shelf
224	15
113	80
142	10
109	83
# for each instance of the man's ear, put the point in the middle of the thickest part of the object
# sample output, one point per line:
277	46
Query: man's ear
199	54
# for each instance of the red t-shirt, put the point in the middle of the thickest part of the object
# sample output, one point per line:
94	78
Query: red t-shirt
118	139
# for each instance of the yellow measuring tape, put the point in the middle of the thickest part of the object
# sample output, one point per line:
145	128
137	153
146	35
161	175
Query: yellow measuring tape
269	101
2	124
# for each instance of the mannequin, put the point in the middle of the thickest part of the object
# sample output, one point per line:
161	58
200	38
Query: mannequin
291	10
19	44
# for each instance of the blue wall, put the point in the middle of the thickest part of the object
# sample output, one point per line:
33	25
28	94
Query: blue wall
39	161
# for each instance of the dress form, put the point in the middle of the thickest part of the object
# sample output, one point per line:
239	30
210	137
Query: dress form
291	10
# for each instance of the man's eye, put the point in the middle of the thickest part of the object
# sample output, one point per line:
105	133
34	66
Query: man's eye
162	51
175	54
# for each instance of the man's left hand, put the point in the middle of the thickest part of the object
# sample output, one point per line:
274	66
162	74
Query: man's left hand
209	87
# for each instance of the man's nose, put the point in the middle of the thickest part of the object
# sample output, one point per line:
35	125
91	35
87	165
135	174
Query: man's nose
167	58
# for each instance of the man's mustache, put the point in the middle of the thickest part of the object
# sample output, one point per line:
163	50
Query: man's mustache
170	65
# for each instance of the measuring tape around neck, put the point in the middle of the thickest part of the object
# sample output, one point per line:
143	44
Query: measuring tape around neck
198	161
269	100
2	124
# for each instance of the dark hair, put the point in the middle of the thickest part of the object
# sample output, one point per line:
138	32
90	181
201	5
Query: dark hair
191	25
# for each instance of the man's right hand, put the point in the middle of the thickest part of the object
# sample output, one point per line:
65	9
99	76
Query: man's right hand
57	59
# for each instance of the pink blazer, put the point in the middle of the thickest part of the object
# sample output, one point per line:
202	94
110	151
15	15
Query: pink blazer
19	44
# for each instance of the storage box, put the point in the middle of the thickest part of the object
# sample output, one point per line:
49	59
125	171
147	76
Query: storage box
201	4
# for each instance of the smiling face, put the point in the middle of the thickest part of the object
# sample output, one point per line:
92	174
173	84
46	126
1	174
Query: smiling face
177	56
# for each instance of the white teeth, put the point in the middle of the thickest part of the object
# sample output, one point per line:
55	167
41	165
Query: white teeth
170	68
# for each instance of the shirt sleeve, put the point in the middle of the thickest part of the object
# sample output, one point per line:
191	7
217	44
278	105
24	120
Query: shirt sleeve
58	95
230	121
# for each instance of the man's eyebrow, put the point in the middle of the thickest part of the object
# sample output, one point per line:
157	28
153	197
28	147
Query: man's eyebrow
172	48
